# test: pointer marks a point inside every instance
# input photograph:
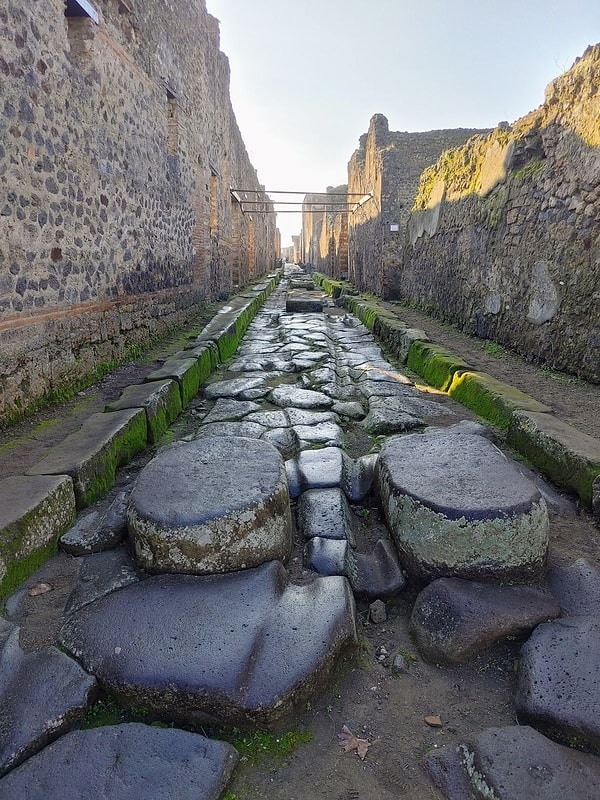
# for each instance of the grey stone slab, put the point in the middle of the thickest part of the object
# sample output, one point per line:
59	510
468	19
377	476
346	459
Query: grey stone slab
389	415
351	410
382	372
244	648
139	762
292	397
325	513
376	574
101	574
284	439
576	587
236	387
92	454
326	556
216	504
255	362
359	476
228	429
453	619
42	695
270	419
34	512
227	410
558	690
457	507
323	433
95	531
513	763
161	400
303	305
302	416
314	469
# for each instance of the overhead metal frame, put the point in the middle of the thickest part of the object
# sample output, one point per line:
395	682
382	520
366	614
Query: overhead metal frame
314	206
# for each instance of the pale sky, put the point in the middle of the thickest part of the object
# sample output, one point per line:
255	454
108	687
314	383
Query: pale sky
307	75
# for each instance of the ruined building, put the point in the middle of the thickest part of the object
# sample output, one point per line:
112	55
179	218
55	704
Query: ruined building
118	149
500	232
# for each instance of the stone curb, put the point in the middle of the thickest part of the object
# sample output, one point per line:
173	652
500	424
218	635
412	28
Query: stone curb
87	460
570	458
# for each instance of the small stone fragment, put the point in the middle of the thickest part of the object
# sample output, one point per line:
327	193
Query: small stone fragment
377	612
434	721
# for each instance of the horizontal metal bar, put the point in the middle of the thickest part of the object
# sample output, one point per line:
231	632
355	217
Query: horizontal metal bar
282	191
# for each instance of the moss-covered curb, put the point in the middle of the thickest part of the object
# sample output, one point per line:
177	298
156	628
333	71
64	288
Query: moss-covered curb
34	512
335	288
568	456
434	363
161	400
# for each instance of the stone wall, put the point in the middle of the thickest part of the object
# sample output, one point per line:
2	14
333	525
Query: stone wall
504	238
389	165
118	146
325	234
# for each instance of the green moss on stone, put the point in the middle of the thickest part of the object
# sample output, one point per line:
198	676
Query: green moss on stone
434	363
19	569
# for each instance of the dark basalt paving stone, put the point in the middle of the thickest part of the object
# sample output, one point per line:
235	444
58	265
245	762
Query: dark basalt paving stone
246	647
236	387
325	513
576	587
513	763
453	619
387	417
226	410
559	685
292	397
456	506
327	434
329	467
100	574
378	574
303	305
42	695
284	439
133	761
216	504
95	532
242	428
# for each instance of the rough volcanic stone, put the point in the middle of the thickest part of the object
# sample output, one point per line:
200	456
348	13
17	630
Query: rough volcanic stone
303	305
231	429
377	612
456	506
292	397
95	532
245	647
453	619
236	387
315	469
359	476
596	498
140	762
186	371
389	415
325	433
227	410
513	763
216	504
34	511
92	454
270	419
302	416
326	556
576	587
325	513
349	409
559	690
376	574
284	439
101	574
42	695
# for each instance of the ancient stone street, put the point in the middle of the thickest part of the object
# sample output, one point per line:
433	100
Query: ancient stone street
228	580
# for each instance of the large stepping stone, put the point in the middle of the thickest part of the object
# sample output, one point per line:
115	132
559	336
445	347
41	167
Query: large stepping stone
513	763
92	454
216	504
453	619
558	690
34	512
42	695
244	648
456	506
133	761
576	587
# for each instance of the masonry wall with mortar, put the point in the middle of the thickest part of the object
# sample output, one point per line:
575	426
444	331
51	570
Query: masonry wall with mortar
118	146
325	234
505	235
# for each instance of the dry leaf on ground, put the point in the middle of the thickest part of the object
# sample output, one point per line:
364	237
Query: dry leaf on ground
40	588
351	742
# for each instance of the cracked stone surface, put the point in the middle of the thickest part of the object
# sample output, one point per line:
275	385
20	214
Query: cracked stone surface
136	761
246	647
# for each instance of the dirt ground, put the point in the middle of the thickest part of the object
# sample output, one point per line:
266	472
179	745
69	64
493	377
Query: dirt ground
386	709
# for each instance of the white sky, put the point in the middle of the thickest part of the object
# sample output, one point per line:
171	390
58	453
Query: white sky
307	75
